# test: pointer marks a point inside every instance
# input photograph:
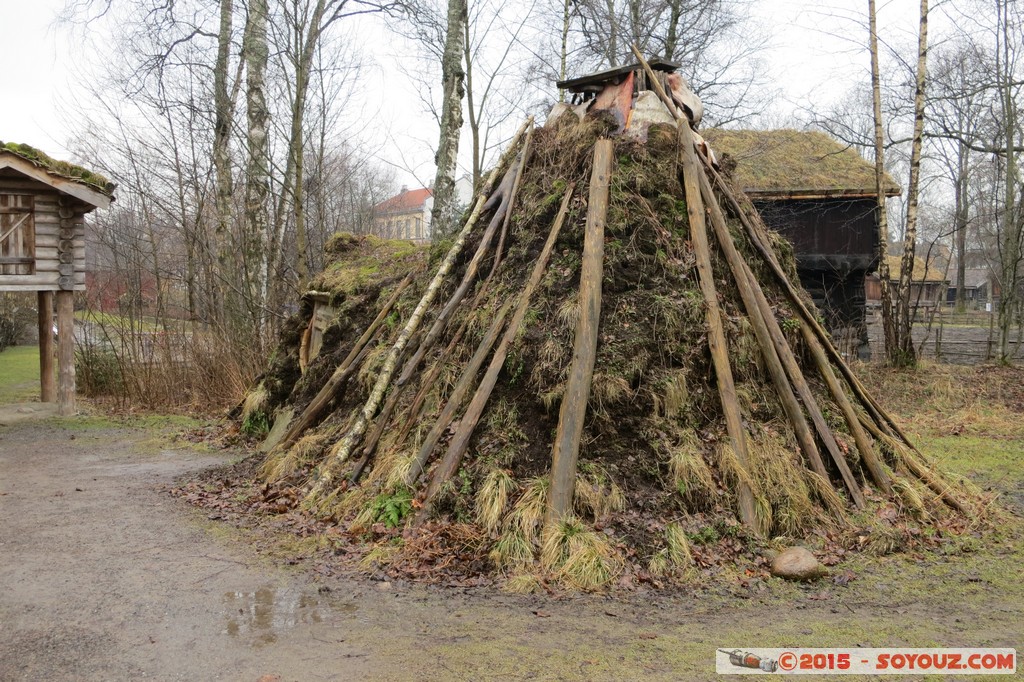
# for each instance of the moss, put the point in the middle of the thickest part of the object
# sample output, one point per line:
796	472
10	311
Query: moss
57	167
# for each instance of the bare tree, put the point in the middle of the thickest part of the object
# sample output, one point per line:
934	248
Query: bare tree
889	329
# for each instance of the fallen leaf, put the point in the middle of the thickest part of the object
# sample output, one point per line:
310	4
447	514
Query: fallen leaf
844	578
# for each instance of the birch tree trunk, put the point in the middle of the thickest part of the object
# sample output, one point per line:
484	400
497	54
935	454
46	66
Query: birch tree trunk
905	355
474	119
961	218
453	77
563	54
1010	243
257	173
881	217
223	118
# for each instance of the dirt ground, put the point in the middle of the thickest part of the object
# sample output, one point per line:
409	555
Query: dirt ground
107	577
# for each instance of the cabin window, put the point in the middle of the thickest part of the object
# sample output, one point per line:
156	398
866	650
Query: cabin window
17	235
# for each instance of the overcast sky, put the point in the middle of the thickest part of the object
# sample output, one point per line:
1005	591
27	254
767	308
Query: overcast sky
812	56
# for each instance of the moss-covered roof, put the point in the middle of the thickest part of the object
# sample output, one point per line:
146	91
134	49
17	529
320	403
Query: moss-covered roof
63	169
363	262
922	272
795	162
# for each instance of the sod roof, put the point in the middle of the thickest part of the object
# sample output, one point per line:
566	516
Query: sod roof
63	169
922	272
792	163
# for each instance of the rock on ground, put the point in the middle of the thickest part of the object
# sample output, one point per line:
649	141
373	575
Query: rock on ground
796	563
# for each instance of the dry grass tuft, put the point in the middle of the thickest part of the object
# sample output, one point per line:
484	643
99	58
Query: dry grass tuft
910	498
512	550
522	583
597	493
607	390
569	313
528	512
372	364
493	497
823	491
280	465
783	498
883	540
690	473
581	559
381	555
255	402
674	395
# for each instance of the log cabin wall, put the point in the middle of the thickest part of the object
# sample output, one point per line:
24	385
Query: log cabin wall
42	237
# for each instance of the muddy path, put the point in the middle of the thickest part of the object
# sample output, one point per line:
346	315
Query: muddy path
104	576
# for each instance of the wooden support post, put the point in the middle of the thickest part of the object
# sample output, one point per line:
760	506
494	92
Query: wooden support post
47	380
716	334
66	353
573	410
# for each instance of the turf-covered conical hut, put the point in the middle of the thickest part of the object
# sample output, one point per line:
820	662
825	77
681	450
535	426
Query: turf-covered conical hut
609	361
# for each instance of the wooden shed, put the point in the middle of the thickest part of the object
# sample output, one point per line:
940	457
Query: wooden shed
43	204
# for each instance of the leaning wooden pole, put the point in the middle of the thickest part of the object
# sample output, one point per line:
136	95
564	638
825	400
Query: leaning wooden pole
713	315
706	275
758	238
917	469
771	339
860	437
571	414
503	198
325	481
458	394
448	465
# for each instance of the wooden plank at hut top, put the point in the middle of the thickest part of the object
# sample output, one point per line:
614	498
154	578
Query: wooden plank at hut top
595	82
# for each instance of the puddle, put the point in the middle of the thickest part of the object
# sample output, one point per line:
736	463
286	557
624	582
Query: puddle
263	615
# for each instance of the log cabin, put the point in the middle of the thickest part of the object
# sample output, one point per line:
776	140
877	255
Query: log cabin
43	204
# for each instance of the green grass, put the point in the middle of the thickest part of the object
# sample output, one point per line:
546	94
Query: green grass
116	323
19	375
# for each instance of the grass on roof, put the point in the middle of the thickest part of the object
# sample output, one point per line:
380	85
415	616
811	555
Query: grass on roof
789	160
57	167
921	272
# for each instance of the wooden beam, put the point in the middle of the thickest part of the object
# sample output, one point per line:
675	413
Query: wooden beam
573	411
65	353
47	380
716	333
